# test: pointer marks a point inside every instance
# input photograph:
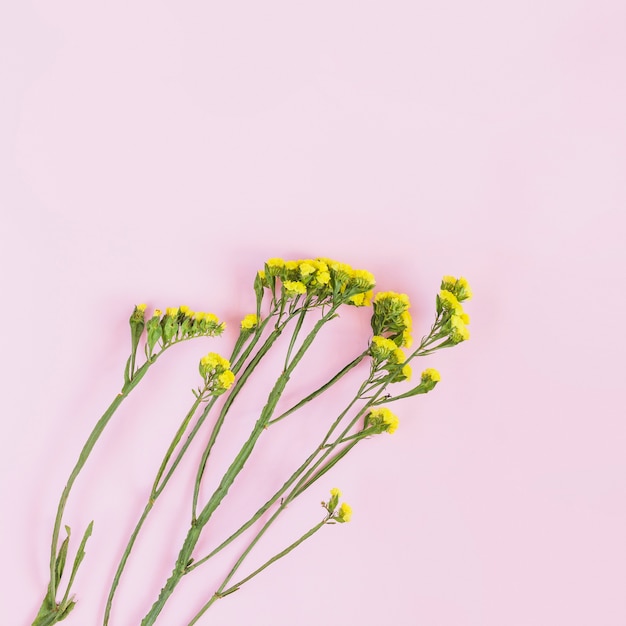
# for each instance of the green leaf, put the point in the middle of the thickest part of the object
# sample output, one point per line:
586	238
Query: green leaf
62	557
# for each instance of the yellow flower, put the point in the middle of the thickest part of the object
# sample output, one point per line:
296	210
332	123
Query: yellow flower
384	419
225	379
398	356
464	290
363	279
249	321
323	277
142	307
431	374
395	298
458	330
275	266
448	300
294	287
185	310
345	512
381	347
407	339
335	492
406	320
407	372
306	269
171	311
448	283
214	361
157	313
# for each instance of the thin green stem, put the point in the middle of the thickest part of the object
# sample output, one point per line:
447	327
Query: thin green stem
278	494
157	488
222	591
239	382
236	466
82	458
295	334
321	389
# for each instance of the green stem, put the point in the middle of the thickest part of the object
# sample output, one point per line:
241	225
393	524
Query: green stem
236	466
157	488
221	592
278	494
321	389
84	454
239	382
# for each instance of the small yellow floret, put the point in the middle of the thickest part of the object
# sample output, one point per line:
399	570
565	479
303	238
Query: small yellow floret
462	284
407	372
294	287
334	492
449	301
345	512
363	279
171	311
142	307
323	277
226	379
385	417
157	313
381	347
398	356
431	374
396	298
406	320
306	269
249	321
214	361
459	331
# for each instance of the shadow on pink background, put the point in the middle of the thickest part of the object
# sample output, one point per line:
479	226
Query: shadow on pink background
161	153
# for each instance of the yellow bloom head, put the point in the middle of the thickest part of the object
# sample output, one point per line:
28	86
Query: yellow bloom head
344	514
225	380
294	288
381	348
458	329
431	374
249	322
383	420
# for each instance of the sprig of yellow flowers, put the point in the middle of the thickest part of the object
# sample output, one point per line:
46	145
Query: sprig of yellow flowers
286	292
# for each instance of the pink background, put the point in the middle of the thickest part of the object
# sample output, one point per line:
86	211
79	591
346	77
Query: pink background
160	152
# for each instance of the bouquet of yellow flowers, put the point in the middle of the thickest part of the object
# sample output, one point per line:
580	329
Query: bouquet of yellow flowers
288	293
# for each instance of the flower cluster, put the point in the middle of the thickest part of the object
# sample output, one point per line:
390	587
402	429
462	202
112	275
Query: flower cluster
249	322
322	280
338	513
455	320
387	356
215	370
391	317
382	420
177	324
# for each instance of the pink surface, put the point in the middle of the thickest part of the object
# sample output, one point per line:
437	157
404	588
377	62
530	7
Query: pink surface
160	152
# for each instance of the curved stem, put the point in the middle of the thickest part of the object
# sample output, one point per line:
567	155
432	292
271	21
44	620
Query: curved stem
82	458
